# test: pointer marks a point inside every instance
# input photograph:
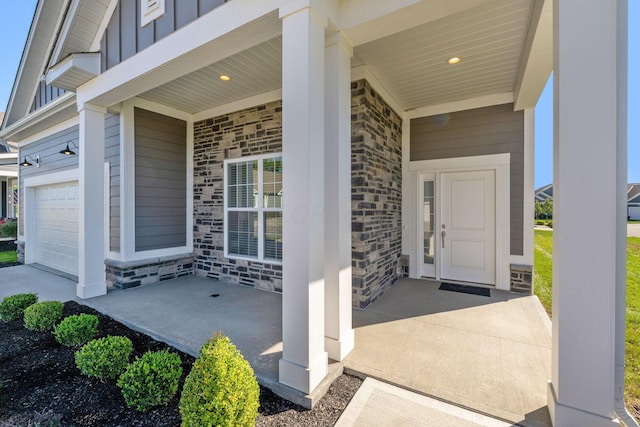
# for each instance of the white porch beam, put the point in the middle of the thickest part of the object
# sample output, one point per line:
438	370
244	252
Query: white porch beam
536	62
590	113
339	336
91	273
363	21
231	28
304	361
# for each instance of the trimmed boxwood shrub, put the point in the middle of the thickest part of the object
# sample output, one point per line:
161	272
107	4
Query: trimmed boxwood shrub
76	330
151	380
12	307
42	316
105	357
221	389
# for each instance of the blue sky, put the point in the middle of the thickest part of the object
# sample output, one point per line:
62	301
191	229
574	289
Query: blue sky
16	19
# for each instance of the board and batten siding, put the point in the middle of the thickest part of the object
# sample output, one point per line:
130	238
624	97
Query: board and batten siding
160	181
44	95
482	131
52	161
124	37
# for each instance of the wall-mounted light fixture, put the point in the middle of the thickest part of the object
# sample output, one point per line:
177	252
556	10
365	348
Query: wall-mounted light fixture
67	151
26	163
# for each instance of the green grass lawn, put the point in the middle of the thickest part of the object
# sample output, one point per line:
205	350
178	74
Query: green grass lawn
9	256
542	285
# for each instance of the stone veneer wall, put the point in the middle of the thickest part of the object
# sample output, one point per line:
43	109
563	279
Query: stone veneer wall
256	130
129	274
376	193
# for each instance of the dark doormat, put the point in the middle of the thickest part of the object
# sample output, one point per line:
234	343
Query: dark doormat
465	289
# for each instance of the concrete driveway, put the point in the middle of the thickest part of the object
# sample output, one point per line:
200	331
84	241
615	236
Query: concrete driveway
633	230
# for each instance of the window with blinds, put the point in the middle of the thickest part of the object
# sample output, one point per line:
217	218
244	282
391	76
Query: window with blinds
253	208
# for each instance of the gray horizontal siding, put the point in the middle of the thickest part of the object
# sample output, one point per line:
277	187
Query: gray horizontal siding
490	130
124	37
161	181
45	94
52	161
112	155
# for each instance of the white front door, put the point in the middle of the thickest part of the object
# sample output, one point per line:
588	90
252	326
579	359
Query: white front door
468	227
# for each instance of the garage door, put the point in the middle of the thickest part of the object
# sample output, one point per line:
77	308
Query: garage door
57	226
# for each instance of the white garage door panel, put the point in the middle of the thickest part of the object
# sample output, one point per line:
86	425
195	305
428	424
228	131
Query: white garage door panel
57	226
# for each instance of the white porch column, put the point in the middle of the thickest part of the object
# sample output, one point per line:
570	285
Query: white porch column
339	337
590	50
91	276
304	361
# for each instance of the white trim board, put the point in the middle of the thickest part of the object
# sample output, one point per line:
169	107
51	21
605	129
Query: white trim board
465	104
242	104
128	183
69	123
498	162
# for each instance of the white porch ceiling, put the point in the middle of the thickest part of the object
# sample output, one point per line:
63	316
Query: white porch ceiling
254	71
410	64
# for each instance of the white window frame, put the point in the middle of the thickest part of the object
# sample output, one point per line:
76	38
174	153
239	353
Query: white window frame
260	209
150	10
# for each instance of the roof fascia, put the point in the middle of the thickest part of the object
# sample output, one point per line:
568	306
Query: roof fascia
26	53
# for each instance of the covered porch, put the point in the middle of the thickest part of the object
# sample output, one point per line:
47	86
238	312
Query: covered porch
438	343
305	55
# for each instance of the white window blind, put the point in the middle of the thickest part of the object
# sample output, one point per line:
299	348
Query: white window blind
253	208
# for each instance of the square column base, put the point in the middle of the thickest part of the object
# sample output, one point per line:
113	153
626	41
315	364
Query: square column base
562	415
91	290
304	379
338	349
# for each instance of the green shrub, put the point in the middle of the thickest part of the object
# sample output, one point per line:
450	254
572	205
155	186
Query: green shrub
42	316
76	330
221	389
105	357
12	307
9	229
151	380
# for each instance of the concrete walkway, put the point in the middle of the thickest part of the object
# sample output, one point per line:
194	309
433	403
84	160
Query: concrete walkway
492	355
381	404
488	354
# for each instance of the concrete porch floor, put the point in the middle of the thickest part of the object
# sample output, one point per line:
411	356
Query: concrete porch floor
491	355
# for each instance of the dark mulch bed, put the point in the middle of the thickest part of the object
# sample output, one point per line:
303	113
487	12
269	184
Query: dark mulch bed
40	384
9	264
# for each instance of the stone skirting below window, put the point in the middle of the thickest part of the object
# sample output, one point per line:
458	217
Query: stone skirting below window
522	279
129	274
20	250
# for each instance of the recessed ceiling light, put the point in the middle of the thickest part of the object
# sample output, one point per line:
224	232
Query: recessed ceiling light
224	78
453	60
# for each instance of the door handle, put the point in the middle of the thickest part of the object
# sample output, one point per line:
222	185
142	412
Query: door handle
443	234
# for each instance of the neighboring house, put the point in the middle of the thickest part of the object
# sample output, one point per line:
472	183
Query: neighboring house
8	179
633	201
544	193
633	198
302	146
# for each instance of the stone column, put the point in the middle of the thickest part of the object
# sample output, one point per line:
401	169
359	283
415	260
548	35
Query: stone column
304	360
339	337
590	50
91	275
